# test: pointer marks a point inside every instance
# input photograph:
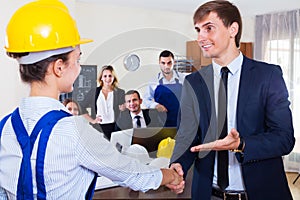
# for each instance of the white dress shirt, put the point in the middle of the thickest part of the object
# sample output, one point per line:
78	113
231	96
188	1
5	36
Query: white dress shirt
234	169
74	152
148	99
134	120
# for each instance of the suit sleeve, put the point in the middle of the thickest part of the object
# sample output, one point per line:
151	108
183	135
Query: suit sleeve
187	128
121	96
267	122
119	99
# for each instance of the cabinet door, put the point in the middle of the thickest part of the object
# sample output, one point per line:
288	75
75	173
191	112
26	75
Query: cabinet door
193	52
247	49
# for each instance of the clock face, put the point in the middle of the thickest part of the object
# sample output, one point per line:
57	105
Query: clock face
132	62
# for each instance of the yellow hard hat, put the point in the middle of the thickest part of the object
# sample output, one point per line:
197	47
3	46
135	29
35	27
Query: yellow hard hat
165	148
42	25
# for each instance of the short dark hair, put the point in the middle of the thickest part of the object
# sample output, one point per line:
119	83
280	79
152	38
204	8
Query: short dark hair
36	71
225	10
166	53
129	92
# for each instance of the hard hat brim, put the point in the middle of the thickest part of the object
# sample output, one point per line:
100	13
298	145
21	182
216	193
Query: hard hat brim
85	40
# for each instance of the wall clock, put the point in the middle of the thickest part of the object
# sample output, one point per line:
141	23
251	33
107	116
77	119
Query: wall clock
132	62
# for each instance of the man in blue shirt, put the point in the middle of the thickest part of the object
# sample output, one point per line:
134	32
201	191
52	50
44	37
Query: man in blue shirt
164	92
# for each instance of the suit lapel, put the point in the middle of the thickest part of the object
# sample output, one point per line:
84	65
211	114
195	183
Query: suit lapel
212	129
146	116
208	99
245	88
98	89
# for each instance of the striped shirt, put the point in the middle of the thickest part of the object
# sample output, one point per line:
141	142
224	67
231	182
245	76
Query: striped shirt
74	152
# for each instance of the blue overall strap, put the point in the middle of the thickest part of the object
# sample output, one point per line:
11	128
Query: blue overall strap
25	188
2	122
48	124
54	117
90	193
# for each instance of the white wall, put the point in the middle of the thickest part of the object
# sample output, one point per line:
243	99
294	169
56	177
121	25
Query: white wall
10	86
116	31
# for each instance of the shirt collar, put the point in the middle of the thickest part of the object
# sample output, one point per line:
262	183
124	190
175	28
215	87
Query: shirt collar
139	114
234	66
40	105
174	76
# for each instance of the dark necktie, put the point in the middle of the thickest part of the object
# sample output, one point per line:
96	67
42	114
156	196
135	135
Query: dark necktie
223	180
138	121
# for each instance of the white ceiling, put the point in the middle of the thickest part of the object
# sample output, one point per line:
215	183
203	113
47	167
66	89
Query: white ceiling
247	7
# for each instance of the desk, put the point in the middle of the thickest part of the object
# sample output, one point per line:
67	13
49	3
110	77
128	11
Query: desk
161	193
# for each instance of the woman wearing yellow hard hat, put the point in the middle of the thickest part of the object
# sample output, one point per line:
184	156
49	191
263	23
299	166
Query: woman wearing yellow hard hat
45	153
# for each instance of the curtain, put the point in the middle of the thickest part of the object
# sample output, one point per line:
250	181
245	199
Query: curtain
277	40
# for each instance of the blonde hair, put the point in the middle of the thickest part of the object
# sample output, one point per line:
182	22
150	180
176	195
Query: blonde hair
111	69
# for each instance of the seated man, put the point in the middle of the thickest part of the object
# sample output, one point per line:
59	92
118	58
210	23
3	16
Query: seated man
135	117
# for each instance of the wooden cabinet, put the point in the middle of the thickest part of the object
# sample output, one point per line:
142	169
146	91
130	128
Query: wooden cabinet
193	52
247	49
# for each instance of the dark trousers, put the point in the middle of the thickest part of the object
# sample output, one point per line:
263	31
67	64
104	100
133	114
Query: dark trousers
106	129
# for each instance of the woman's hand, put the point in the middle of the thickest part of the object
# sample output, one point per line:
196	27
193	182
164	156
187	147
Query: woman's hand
122	107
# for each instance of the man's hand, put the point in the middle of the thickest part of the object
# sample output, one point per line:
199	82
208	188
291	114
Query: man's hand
231	141
177	188
161	108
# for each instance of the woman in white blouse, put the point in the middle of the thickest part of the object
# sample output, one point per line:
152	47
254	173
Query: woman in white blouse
105	101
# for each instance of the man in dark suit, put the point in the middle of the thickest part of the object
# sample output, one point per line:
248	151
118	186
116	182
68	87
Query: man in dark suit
135	117
257	117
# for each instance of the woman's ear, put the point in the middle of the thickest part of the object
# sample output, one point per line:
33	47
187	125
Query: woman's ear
58	67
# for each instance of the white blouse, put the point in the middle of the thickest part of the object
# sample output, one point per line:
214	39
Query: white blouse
105	108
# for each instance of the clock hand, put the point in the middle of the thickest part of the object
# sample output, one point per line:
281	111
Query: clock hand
132	61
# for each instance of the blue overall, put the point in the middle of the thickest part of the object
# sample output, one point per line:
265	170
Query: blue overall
169	96
46	124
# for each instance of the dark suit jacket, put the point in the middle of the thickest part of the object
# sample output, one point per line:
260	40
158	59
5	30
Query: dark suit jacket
92	96
153	118
263	119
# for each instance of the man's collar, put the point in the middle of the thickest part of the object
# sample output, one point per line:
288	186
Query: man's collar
139	114
175	75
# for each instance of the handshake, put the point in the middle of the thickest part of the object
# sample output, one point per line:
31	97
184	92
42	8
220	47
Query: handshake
173	178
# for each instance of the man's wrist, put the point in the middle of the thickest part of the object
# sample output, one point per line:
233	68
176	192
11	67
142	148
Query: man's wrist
240	148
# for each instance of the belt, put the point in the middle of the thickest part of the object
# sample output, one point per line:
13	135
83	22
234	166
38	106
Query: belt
227	195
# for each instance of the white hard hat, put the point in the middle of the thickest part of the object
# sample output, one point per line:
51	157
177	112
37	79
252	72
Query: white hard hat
138	152
161	162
